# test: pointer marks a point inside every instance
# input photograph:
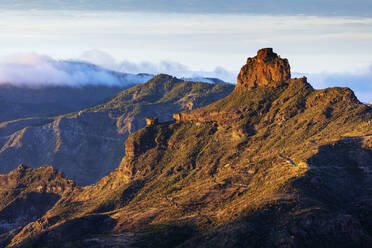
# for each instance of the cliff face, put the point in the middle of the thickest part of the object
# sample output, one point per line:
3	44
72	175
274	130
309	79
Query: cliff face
267	69
283	166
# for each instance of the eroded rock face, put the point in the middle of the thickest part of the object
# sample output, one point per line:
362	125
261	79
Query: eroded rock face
266	69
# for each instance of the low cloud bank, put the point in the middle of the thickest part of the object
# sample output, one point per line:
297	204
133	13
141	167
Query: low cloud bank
92	68
38	70
169	67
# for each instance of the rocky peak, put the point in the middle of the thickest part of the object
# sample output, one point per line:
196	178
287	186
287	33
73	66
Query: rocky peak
266	69
266	54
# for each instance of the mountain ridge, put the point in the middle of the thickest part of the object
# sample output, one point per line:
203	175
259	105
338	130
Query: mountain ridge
88	144
275	165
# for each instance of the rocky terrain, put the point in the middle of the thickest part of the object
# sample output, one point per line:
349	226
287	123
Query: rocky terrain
27	194
88	144
274	164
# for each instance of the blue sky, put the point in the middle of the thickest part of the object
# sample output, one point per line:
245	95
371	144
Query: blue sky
328	39
268	7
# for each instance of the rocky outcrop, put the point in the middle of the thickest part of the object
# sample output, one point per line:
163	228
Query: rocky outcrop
220	117
267	69
44	179
27	194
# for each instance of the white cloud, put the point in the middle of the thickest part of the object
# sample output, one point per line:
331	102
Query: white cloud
38	70
92	68
169	67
